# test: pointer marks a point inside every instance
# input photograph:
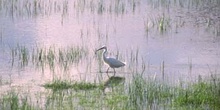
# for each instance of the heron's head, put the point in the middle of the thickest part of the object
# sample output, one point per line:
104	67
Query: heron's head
103	47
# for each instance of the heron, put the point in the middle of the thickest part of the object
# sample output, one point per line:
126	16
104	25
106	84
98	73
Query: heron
112	62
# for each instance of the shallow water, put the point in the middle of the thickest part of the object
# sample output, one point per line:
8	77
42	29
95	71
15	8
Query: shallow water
187	41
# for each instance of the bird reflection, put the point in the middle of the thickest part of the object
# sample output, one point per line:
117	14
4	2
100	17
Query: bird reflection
113	81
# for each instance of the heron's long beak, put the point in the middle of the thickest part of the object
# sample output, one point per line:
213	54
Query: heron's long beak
104	47
99	49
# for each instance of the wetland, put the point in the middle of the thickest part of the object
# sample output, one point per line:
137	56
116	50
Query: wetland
48	60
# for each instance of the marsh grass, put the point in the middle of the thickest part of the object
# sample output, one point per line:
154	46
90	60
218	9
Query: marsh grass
140	93
150	94
81	95
163	23
201	95
47	57
15	101
145	94
64	84
35	8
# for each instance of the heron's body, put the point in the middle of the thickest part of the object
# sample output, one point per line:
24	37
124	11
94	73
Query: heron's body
112	62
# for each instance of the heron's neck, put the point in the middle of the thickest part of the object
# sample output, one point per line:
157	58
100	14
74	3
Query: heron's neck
104	54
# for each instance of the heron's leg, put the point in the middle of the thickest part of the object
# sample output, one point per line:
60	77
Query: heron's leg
107	71
114	71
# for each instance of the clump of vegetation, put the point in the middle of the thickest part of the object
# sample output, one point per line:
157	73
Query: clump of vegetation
64	84
143	94
150	94
163	23
202	95
84	86
51	57
14	101
136	93
58	85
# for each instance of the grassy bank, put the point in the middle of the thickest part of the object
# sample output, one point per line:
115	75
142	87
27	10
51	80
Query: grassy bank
140	93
